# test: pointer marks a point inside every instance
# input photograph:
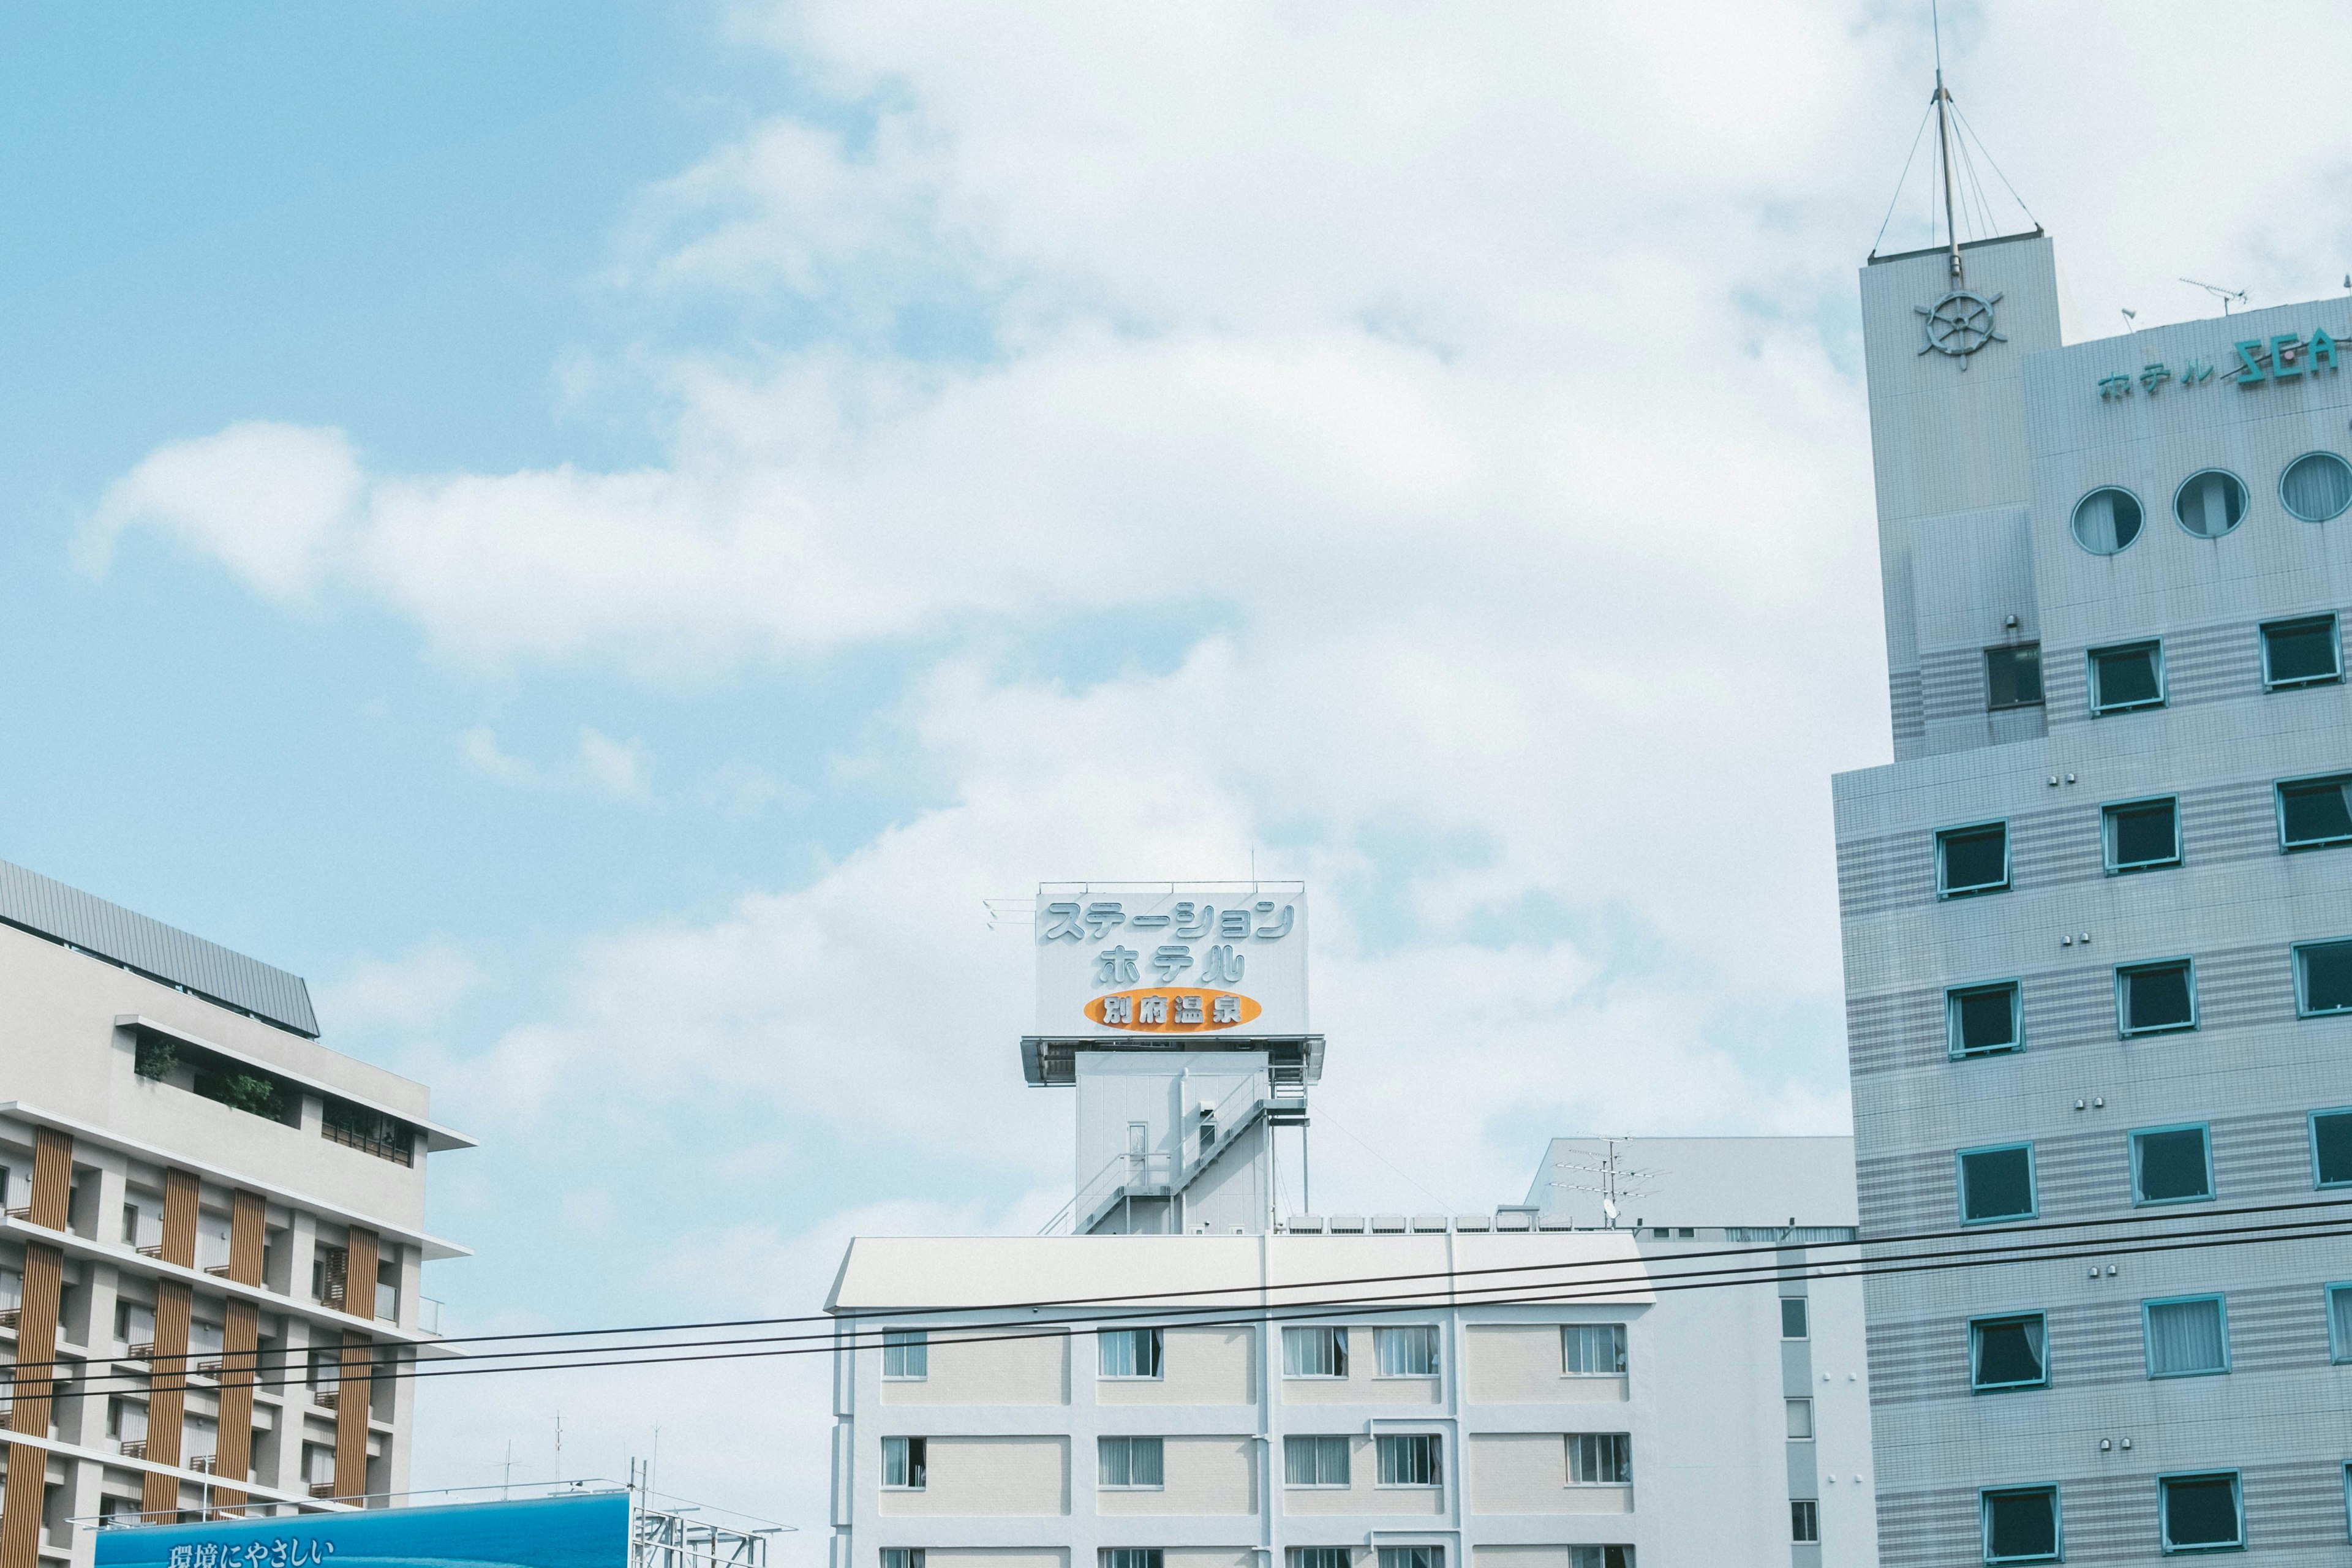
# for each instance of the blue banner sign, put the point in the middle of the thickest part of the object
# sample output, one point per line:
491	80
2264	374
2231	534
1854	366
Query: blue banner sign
585	1532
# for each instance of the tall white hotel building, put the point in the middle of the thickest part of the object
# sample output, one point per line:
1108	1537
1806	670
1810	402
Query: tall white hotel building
2098	918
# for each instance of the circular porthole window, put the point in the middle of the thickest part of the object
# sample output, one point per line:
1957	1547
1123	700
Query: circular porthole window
2106	521
2209	504
2316	487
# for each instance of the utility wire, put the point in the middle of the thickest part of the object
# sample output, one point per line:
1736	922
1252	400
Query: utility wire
1905	178
1538	1292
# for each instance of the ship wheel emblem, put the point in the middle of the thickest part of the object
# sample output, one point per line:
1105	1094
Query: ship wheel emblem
1958	324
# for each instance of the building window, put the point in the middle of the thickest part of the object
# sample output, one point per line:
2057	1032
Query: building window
2209	504
1593	1349
1133	1463
1315	1461
2187	1337
2306	652
1792	1317
1127	1352
2314	813
1413	1557
1411	1459
906	1355
1600	1557
902	1557
2200	1512
2127	677
1314	1352
1599	1459
2106	521
2323	978
1983	1020
2013	676
1322	1557
2141	834
1972	859
2008	1352
2020	1525
2331	1148
1409	1351
2156	998
904	1463
1800	1420
2171	1165
2315	486
1804	1520
1128	1557
2339	1322
1997	1184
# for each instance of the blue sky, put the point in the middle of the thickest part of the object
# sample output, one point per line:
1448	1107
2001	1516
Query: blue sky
599	534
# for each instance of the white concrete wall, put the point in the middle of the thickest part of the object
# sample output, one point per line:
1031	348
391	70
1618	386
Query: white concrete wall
1520	1364
1198	1366
990	1371
976	1477
1526	1472
1204	1476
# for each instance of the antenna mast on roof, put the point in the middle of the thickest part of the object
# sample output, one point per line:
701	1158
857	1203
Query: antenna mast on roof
1942	101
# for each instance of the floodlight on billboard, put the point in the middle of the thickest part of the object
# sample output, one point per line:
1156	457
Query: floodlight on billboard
1171	963
585	1531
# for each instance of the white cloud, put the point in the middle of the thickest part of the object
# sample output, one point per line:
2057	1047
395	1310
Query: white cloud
412	992
615	770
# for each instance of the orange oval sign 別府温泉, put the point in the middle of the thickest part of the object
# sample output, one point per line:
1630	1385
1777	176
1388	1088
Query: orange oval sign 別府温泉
1173	1010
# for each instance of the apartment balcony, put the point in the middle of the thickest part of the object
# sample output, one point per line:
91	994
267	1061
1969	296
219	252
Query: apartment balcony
209	1465
25	1213
322	1489
133	1447
217	1270
400	1154
326	1398
144	1350
10	1316
154	1251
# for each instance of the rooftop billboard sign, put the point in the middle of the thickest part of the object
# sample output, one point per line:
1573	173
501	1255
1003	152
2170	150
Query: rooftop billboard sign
1165	962
588	1530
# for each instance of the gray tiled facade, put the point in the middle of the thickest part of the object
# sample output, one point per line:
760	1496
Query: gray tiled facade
1980	463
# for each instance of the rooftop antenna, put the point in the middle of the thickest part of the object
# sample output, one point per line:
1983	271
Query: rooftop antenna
2226	295
2131	318
1944	141
1615	1183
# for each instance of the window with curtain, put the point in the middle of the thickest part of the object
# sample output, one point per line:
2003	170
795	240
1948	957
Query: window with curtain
2316	487
1130	1462
2322	977
2314	813
1319	1460
2200	1512
1127	1352
905	1354
2020	1525
2172	1165
1128	1557
1593	1349
2128	678
2008	1352
2307	652
2156	998
1972	859
1314	1352
1411	1459
2013	675
2187	1338
2141	834
1413	1557
904	1463
1983	1020
2209	504
1321	1557
1409	1351
2106	521
2331	1148
1600	1557
1599	1459
1997	1184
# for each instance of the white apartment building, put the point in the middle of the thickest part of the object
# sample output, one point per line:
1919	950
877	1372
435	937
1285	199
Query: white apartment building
1543	1386
193	1188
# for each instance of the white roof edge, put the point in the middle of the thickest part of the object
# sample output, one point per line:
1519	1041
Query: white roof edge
438	1137
435	1248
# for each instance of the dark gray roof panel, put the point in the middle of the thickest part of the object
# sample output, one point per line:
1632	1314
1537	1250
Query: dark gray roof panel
65	914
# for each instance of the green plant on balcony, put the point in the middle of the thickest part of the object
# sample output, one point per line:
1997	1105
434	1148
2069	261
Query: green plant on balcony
245	1092
156	1058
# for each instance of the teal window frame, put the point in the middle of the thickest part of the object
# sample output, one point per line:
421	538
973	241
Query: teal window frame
2164	1511
2334	643
2032	1182
2278	805
1316	1446
2339	1347
2115	868
2041	691
2303	1008
2074	513
2291	462
1105	1463
2319	1182
1150	1346
1394	1343
2148	966
1997	1320
1296	1333
909	1351
2137	1133
1406	1455
2008	869
2147	1341
2163	697
2057	1552
913	1463
2245	503
1953	1049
